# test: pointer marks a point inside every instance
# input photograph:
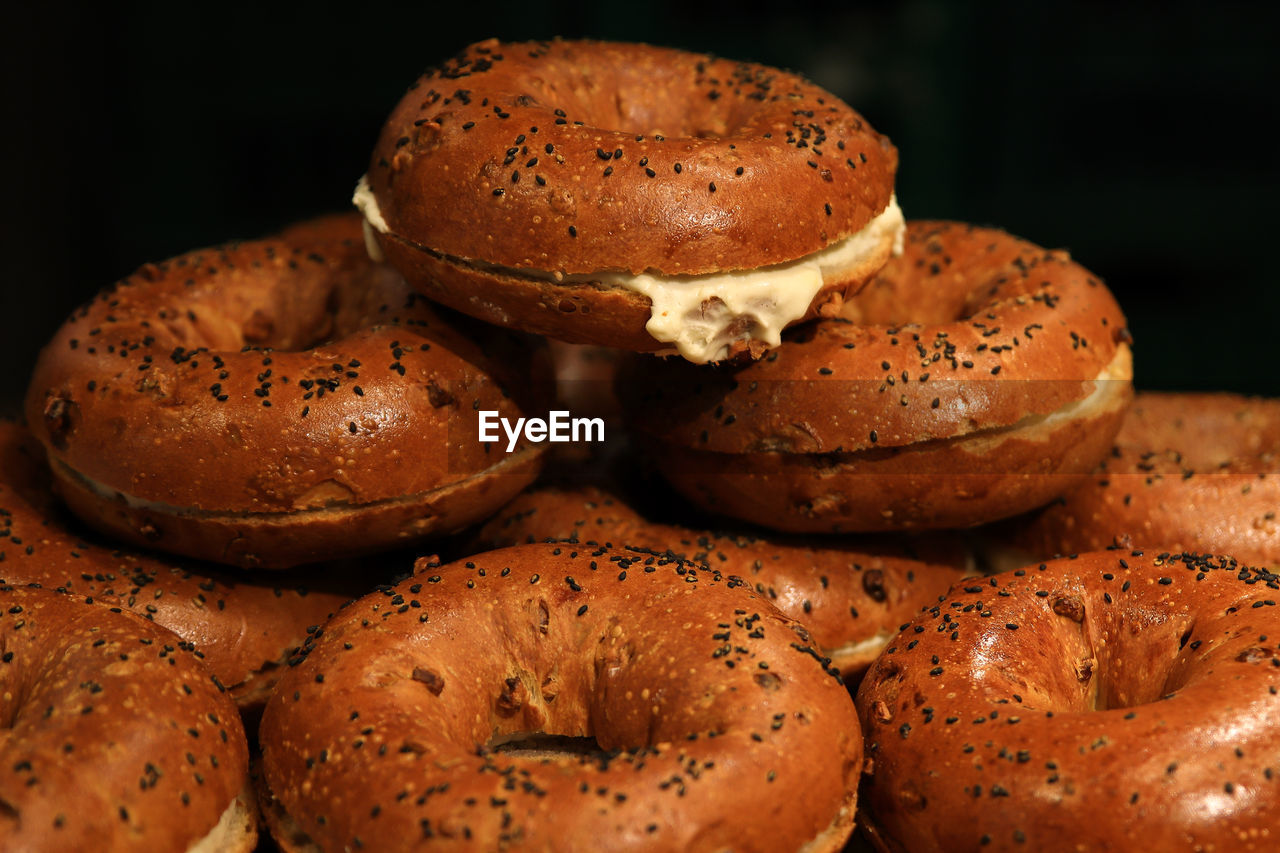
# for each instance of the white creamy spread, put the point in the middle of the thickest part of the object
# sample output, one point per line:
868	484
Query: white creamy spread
368	206
702	315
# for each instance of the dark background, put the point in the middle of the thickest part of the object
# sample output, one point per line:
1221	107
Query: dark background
1139	140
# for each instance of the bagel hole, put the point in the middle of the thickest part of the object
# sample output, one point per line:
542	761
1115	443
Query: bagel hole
621	99
538	745
1150	671
298	312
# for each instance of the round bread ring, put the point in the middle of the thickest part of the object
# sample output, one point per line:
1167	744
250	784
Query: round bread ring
1193	471
243	628
686	679
576	158
190	408
851	596
115	738
973	379
1117	701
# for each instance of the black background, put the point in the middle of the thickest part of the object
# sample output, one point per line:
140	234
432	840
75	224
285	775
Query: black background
1140	140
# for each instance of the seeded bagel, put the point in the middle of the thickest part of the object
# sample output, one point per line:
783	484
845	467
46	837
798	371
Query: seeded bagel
397	730
596	188
851	595
1121	700
1198	472
278	402
243	627
116	737
978	376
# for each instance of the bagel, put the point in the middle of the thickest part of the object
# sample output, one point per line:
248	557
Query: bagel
976	377
1188	471
630	196
255	404
851	596
1119	701
115	738
399	728
243	628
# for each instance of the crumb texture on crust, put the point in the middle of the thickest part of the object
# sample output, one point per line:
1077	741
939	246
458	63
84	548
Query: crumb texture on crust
587	156
969	329
683	682
116	737
1121	700
1196	472
850	594
976	377
270	377
243	625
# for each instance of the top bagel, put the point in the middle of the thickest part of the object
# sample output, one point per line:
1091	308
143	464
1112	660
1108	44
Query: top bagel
570	158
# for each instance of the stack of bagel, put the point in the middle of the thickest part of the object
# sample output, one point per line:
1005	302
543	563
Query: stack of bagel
255	480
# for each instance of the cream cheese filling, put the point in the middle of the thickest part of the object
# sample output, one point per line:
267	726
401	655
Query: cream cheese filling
701	316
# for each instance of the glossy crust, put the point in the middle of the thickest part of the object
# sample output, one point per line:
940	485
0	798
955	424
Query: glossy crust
243	627
971	375
693	687
116	736
254	404
1188	471
575	157
1118	701
465	130
852	596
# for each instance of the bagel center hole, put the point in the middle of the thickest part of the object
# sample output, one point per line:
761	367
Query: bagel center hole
543	745
1152	669
340	308
621	99
296	312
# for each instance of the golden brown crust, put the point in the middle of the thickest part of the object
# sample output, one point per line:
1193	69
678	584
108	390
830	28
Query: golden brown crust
850	595
117	738
576	313
246	382
686	679
574	196
1118	701
974	355
969	329
279	540
962	482
1188	471
243	628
